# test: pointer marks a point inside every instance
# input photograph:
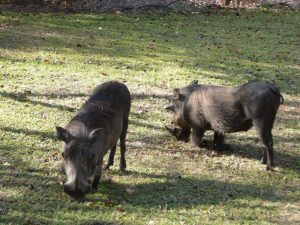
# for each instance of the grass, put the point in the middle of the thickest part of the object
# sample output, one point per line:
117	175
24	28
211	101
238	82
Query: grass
50	62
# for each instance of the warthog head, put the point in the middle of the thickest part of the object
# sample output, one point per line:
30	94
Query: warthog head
182	129
79	160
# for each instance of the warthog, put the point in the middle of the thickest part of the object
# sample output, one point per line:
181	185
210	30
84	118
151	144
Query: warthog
100	122
225	110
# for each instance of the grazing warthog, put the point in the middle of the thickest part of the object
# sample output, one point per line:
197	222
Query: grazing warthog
225	110
100	122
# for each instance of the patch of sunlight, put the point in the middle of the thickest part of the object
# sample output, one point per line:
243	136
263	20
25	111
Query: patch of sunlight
11	193
209	72
269	65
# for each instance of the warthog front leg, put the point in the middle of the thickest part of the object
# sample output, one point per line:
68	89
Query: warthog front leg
219	142
196	136
123	145
111	157
263	129
97	174
264	158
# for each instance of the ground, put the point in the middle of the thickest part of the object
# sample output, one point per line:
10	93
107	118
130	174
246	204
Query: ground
50	63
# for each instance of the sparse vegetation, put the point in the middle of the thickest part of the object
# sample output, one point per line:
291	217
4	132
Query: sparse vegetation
50	62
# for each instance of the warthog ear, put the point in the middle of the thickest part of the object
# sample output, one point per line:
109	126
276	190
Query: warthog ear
194	82
63	134
95	134
170	107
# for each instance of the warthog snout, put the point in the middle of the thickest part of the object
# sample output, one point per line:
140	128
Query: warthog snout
78	190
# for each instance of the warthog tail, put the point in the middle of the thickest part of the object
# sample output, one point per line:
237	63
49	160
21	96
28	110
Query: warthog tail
277	92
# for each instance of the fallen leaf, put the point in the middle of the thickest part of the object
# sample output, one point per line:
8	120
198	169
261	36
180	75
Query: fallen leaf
150	222
130	191
120	210
2	194
108	203
89	204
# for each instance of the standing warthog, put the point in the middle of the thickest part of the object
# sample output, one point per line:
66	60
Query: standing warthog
225	110
100	122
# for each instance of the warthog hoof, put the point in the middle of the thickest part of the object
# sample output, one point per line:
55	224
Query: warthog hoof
270	168
106	167
96	181
223	147
263	160
123	169
205	144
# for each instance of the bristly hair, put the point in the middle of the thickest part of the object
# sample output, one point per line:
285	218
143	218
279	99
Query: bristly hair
94	115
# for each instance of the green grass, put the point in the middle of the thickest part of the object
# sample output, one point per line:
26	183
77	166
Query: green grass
50	62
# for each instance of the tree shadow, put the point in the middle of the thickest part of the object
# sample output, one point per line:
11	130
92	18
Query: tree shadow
37	193
172	191
252	148
41	134
149	96
246	147
176	191
251	151
56	95
145	125
179	191
159	37
23	98
152	141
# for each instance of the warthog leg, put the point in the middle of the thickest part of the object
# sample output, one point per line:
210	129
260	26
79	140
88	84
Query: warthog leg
219	142
196	136
123	145
97	173
111	157
218	138
264	158
263	130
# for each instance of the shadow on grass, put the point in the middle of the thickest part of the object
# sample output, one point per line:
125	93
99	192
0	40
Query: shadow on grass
23	98
288	160
170	191
33	195
245	147
258	58
40	134
177	192
247	150
145	125
58	95
150	96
